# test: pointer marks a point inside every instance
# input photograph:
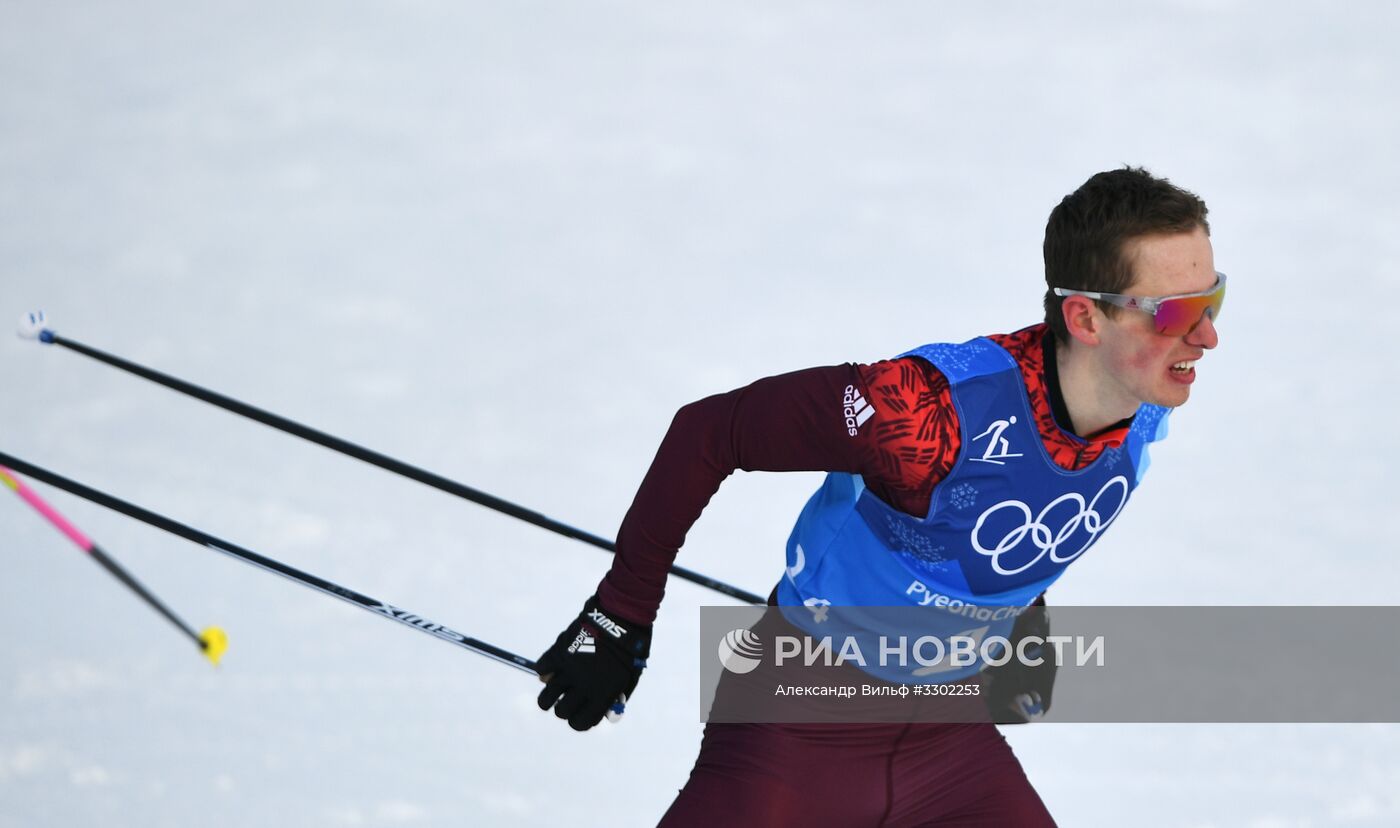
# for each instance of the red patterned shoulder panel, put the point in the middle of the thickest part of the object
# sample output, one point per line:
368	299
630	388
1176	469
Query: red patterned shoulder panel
916	438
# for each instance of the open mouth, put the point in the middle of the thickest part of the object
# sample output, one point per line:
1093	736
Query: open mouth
1184	371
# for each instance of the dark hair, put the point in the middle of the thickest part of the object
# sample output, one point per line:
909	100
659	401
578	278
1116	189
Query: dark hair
1087	233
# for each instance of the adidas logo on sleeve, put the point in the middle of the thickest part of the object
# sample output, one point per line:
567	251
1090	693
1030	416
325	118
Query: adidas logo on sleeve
855	409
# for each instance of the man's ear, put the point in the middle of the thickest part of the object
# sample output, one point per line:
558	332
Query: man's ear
1082	318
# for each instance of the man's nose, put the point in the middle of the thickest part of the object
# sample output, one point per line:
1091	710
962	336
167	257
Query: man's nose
1204	334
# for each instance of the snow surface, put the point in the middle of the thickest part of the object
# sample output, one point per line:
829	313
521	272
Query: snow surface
506	241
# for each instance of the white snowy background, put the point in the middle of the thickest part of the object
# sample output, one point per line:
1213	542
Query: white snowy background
505	241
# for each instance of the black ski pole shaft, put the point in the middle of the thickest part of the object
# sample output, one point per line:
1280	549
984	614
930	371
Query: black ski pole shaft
136	586
375	458
306	579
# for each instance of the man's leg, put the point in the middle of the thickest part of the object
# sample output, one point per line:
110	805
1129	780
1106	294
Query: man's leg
962	775
774	775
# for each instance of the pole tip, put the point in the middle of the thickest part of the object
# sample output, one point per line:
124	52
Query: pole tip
34	325
213	641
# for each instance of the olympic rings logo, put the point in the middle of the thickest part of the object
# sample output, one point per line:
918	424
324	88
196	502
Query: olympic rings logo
1089	516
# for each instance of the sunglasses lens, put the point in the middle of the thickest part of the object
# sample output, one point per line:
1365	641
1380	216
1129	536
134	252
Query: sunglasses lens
1176	317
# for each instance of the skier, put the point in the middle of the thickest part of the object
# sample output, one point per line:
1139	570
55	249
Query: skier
921	446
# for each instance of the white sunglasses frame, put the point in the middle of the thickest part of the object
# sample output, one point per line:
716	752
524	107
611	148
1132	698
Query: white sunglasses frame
1147	304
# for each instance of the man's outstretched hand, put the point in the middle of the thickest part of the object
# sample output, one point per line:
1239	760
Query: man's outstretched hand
593	666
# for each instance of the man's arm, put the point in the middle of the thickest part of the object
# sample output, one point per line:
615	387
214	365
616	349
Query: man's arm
888	421
791	422
891	421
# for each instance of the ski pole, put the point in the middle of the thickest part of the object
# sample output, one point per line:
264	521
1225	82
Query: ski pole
389	611
32	326
212	641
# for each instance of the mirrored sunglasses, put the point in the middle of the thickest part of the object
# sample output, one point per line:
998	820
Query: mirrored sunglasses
1174	315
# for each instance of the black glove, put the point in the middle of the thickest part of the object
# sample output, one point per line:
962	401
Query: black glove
1018	693
594	665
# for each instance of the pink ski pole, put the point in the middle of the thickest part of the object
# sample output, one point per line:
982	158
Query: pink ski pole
212	641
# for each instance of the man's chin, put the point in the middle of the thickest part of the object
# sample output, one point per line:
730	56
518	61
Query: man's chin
1171	397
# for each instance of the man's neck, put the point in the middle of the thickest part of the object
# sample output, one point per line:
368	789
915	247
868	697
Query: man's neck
1090	402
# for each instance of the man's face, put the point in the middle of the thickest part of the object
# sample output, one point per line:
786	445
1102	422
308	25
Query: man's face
1143	365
